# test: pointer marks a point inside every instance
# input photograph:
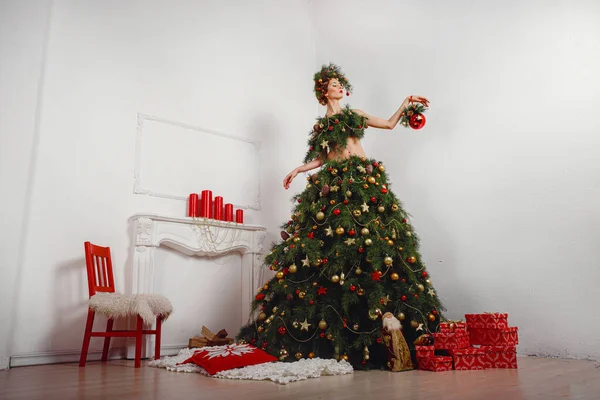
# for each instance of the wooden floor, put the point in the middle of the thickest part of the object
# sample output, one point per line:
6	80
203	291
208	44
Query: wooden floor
536	378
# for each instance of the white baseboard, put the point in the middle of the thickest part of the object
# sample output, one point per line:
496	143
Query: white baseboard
72	356
4	362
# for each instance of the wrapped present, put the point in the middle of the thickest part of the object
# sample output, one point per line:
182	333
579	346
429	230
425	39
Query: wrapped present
210	339
495	337
469	359
436	363
452	326
450	341
424	351
487	321
500	356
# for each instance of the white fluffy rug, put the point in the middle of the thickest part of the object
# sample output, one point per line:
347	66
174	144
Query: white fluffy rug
278	372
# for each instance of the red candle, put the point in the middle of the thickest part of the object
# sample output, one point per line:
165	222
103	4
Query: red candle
192	205
239	216
228	212
206	204
199	207
218	208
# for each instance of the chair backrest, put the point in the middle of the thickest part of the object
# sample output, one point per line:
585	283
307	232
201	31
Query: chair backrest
99	269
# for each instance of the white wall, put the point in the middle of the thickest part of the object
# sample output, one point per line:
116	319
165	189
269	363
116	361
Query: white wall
235	67
503	180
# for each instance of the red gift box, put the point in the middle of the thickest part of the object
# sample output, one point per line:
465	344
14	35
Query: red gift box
450	341
469	359
436	363
424	351
487	321
500	356
458	327
495	337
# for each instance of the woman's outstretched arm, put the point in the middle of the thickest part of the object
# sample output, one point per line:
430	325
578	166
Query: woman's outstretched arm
391	123
303	168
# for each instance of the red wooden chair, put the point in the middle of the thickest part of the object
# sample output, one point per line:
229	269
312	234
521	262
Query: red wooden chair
104	300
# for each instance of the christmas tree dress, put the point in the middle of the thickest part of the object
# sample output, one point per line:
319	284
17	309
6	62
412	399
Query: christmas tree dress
348	255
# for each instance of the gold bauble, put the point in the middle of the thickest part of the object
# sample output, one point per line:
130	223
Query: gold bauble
329	336
358	271
295	324
390	242
368	242
302	295
348	193
381	168
339	230
400	248
298	355
388	260
308	186
260	329
293	269
335	279
345	169
366	186
262	316
302	245
428	281
408	233
311	355
356	213
279	275
374	314
242	341
431	317
371	179
320	216
322	324
378	175
314	283
314	227
296	239
394	207
344	357
381	209
266	287
317	182
421	287
414	324
360	291
412	259
283	354
356	327
332	202
401	316
364	231
275	309
394	276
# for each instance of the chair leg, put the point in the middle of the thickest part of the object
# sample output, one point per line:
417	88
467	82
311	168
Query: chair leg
157	337
86	337
138	342
109	326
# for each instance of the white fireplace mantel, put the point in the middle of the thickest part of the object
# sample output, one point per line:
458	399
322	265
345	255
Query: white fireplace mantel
196	237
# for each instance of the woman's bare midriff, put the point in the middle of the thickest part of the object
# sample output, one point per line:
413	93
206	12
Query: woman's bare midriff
353	148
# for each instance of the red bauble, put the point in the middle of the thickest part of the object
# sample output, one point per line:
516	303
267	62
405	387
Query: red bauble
434	312
324	261
331	128
403	298
347	93
299	200
373	200
352	288
282	330
416	121
384	190
260	296
337	121
346	202
337	211
360	127
360	249
416	296
311	302
297	291
379	340
375	164
311	235
424	274
322	334
350	181
351	232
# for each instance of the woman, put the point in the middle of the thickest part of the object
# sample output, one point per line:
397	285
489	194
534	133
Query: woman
348	254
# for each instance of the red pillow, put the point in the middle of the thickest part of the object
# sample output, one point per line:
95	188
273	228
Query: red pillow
221	358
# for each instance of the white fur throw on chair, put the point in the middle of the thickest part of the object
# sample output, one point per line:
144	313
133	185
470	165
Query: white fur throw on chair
148	306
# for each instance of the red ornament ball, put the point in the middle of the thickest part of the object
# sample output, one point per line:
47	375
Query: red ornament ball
352	288
379	340
350	181
351	232
403	298
360	249
434	312
416	296
347	93
324	261
375	164
424	274
282	330
322	334
384	190
416	121
331	128
311	302
299	200
373	199
337	211
346	202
